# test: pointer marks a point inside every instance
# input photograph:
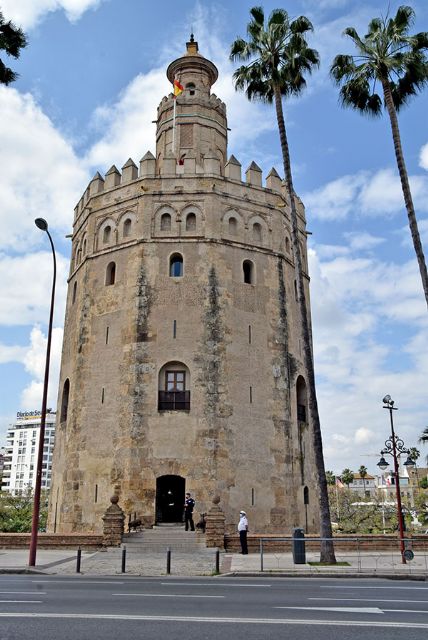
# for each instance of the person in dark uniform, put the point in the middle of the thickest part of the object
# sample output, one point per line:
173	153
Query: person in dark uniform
189	505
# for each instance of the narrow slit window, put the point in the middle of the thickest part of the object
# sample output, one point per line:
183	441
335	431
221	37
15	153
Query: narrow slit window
107	334
102	396
249	334
73	300
174	329
251	395
96	493
252	497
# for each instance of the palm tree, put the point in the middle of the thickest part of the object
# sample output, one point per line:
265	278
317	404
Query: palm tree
398	62
330	477
12	40
423	439
347	476
277	56
363	473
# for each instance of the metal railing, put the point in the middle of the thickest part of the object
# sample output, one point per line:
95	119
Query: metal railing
353	555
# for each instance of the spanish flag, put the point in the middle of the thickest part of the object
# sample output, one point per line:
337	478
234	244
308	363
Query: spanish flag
178	88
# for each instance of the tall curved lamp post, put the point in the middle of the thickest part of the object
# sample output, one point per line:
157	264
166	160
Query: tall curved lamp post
43	225
394	446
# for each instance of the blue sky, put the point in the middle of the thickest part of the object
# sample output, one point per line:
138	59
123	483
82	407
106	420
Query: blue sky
90	82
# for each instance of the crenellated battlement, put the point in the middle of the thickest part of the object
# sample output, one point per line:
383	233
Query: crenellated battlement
170	168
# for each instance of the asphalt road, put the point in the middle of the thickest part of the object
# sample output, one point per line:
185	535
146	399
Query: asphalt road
99	608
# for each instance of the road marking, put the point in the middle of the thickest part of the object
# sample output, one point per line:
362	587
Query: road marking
338	609
82	581
212	584
327	586
206	619
26	593
22	601
369	599
163	595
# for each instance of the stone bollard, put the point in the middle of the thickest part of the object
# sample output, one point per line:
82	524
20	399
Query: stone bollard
113	526
215	529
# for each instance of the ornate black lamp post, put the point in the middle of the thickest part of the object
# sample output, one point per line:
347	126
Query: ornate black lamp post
394	446
43	225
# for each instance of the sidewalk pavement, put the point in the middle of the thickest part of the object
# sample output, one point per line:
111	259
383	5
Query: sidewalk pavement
108	562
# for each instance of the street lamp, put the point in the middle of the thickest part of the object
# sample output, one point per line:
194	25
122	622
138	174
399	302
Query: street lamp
395	445
43	225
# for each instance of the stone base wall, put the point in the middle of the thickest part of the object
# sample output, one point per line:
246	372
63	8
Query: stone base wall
51	541
365	543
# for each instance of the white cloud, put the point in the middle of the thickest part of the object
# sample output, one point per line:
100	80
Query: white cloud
365	194
34	362
24	296
27	13
355	304
362	241
423	158
364	435
41	175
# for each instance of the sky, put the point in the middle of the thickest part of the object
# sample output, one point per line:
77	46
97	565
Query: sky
90	82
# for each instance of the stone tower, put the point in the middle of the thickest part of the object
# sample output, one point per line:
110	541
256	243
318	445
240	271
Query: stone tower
181	364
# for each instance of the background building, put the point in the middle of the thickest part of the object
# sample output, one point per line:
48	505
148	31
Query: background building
181	364
20	460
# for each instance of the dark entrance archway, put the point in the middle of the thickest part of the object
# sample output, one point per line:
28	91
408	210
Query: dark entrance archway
170	499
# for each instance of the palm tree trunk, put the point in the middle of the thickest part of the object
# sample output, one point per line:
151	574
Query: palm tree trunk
327	548
405	185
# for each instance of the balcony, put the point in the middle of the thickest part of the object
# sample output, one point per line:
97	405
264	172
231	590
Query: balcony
174	401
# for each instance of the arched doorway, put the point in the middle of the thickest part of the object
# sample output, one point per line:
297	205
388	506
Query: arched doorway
170	499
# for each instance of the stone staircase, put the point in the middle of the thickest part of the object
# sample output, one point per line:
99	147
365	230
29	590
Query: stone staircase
158	539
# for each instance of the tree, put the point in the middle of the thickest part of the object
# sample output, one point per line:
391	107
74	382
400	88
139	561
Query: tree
363	473
12	40
389	56
330	477
16	512
347	477
277	57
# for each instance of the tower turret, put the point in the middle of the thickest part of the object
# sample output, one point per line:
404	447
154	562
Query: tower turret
200	117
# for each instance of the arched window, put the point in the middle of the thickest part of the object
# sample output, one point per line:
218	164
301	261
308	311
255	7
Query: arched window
174	387
73	299
257	232
111	273
248	271
64	400
191	88
84	247
191	222
296	297
107	234
165	224
176	265
301	399
233	226
127	225
287	244
79	256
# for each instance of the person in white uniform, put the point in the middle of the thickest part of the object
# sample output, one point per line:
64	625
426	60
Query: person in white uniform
243	530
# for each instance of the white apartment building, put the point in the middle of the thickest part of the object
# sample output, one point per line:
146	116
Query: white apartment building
22	442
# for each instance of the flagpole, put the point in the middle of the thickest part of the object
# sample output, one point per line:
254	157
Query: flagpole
173	130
